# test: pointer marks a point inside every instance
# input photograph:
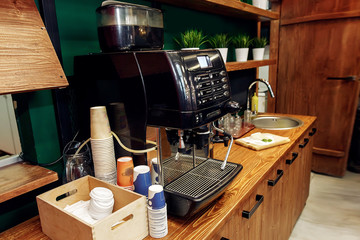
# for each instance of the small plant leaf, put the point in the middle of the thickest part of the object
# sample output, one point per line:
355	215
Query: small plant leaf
241	41
191	38
219	41
259	42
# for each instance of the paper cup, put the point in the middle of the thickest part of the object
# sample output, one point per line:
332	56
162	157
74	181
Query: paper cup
104	159
125	171
156	198
158	226
101	203
131	188
142	179
154	171
99	123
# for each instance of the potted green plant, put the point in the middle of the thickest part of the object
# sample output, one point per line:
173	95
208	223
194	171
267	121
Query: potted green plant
191	39
241	43
220	42
258	47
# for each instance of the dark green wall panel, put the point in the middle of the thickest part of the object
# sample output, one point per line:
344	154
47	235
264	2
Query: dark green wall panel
78	27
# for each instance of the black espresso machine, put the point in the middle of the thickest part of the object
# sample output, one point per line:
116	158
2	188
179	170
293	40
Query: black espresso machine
181	93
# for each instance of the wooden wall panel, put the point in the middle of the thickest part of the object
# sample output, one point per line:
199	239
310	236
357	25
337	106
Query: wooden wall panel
309	53
274	54
27	58
301	8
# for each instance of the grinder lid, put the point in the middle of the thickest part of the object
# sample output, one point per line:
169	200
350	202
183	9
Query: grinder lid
126	5
121	13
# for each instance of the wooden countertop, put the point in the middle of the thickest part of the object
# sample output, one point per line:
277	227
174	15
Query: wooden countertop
256	164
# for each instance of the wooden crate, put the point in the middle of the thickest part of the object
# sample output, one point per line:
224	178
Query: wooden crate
57	224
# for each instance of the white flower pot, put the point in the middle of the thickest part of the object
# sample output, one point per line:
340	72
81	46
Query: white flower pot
260	3
241	54
258	53
189	49
223	52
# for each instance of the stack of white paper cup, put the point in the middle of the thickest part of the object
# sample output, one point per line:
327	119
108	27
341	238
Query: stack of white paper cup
99	123
157	214
102	145
101	203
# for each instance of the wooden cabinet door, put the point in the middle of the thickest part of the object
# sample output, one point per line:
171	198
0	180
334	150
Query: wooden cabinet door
273	221
309	54
241	228
292	193
306	162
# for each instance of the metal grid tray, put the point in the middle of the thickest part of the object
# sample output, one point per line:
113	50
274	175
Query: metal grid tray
199	182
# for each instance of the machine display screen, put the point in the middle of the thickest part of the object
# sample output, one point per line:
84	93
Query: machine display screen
204	61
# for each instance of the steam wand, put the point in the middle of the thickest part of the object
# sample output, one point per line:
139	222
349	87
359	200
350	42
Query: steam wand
229	148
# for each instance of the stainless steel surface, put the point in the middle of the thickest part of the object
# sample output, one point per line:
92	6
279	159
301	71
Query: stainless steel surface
252	84
173	168
229	147
199	180
276	123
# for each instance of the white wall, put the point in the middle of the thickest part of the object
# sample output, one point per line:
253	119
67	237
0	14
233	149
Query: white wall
9	135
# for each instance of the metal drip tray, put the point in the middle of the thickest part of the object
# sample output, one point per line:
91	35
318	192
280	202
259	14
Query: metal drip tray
173	169
188	189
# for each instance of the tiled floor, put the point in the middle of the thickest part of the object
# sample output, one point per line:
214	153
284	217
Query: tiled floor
332	211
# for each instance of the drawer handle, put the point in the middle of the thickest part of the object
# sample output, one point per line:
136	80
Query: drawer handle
306	141
247	214
272	183
223	238
347	78
312	132
294	156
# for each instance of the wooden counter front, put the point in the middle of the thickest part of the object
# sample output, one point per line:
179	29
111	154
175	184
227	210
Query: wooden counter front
207	223
255	166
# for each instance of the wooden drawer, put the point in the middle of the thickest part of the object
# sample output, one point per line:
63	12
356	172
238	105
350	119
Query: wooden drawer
246	222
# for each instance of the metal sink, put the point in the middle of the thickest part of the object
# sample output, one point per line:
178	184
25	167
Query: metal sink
276	122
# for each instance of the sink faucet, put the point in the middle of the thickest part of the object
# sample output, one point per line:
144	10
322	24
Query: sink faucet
251	85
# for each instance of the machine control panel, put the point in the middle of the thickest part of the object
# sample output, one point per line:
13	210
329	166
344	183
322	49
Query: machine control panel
211	87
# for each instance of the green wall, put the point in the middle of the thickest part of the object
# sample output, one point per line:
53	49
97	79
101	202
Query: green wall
78	35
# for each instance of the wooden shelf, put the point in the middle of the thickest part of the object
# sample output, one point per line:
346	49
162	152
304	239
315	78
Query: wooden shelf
27	58
235	66
29	230
20	178
233	8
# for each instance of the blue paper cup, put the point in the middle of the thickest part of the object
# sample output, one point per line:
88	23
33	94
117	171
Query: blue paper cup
154	171
142	179
156	198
